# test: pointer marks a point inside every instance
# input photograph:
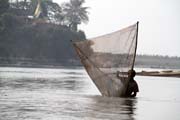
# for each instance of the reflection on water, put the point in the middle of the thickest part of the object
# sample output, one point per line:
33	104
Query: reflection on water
69	94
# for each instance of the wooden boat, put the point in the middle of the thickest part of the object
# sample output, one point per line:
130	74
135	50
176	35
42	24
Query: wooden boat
169	73
106	58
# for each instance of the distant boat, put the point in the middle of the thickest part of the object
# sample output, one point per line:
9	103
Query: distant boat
108	58
167	73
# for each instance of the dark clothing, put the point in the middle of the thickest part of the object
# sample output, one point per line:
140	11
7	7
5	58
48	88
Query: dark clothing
132	88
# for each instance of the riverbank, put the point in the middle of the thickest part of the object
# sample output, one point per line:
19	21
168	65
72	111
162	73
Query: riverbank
142	61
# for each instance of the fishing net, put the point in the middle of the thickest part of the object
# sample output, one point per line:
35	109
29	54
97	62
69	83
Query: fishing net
108	58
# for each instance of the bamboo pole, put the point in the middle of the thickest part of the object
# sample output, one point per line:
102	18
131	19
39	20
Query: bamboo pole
135	45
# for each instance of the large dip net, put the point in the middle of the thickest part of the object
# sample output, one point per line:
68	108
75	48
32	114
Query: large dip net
108	58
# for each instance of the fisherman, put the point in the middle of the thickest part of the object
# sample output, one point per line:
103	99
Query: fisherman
132	87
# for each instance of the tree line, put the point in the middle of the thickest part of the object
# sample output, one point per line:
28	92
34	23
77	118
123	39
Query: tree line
70	13
46	38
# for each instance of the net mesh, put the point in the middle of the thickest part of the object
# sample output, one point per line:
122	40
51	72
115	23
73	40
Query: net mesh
108	58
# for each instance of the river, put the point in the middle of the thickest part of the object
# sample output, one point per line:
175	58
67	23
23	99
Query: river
69	94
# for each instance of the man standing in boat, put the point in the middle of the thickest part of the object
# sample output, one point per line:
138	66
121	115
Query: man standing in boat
132	87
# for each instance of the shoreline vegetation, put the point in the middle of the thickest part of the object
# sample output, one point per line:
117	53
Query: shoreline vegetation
142	61
33	40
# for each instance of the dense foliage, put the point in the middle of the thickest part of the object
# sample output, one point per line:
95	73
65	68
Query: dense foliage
42	39
70	13
4	5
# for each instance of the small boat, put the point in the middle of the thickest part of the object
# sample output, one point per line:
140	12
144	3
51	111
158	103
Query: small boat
168	73
108	58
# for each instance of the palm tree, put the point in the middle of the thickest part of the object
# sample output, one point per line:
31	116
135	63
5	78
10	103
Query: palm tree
75	14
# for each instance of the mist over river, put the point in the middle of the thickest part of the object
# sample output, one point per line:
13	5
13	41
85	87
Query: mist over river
67	93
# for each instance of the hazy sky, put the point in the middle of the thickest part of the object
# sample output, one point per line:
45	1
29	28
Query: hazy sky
159	27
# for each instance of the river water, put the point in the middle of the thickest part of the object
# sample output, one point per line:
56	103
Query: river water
69	94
